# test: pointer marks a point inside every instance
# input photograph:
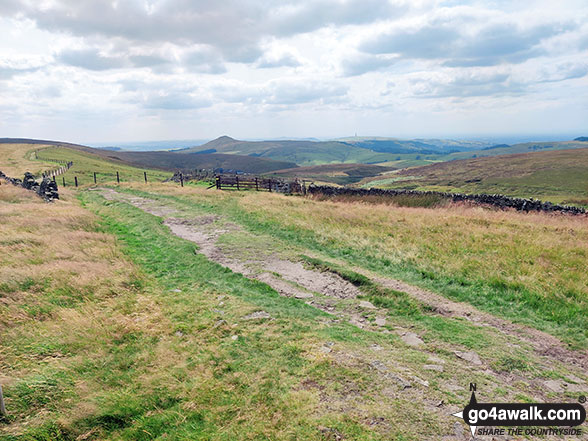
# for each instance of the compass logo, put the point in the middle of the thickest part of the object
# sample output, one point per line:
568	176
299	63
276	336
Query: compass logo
565	415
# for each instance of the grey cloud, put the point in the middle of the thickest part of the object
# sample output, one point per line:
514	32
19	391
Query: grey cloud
148	60
567	71
312	15
469	85
8	72
90	59
174	101
359	64
234	28
426	42
491	45
204	61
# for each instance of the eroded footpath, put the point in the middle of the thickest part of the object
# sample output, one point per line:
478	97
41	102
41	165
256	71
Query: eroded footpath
448	365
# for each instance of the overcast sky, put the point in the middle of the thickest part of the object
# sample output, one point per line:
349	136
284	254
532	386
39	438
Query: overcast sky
131	70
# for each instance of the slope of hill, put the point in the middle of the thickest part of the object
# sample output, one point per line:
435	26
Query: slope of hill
40	156
558	176
526	147
341	174
20	157
190	161
303	153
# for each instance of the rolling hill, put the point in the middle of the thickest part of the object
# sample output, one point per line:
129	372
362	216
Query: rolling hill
525	147
558	176
88	159
304	153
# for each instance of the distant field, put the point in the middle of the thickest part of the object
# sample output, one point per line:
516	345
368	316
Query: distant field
559	176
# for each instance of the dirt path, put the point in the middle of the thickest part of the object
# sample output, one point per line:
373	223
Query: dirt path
334	295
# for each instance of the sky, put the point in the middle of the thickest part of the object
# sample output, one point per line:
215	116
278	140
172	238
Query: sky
136	70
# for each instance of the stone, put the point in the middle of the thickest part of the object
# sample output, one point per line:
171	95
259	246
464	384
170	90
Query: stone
435	359
433	367
470	356
411	339
303	295
367	305
234	337
380	321
257	315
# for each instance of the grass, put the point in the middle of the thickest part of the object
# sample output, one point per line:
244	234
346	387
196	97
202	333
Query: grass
558	176
85	164
16	159
97	347
529	268
112	328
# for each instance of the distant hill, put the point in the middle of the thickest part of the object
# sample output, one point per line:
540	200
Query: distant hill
297	151
190	161
165	160
582	139
525	147
38	141
559	176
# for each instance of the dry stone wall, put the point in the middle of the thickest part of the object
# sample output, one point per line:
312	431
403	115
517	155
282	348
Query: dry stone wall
47	188
497	200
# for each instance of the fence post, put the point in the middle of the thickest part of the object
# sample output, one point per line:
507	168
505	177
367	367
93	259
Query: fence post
63	177
54	179
256	184
2	407
218	182
237	180
94	177
269	185
145	175
117	178
76	180
181	179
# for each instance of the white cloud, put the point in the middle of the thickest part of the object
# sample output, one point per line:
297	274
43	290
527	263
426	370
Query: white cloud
97	69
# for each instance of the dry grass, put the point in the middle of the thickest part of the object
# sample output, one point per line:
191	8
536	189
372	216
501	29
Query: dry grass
16	159
66	293
537	251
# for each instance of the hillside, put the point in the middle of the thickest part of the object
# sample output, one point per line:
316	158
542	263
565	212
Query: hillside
189	161
303	153
558	176
341	174
37	156
526	147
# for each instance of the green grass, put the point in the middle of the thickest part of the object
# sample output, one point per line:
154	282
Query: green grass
86	164
557	309
558	176
123	356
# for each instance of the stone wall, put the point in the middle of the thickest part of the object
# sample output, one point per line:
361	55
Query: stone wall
47	188
496	200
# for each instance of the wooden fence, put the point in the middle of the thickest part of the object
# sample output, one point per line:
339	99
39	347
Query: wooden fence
246	182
